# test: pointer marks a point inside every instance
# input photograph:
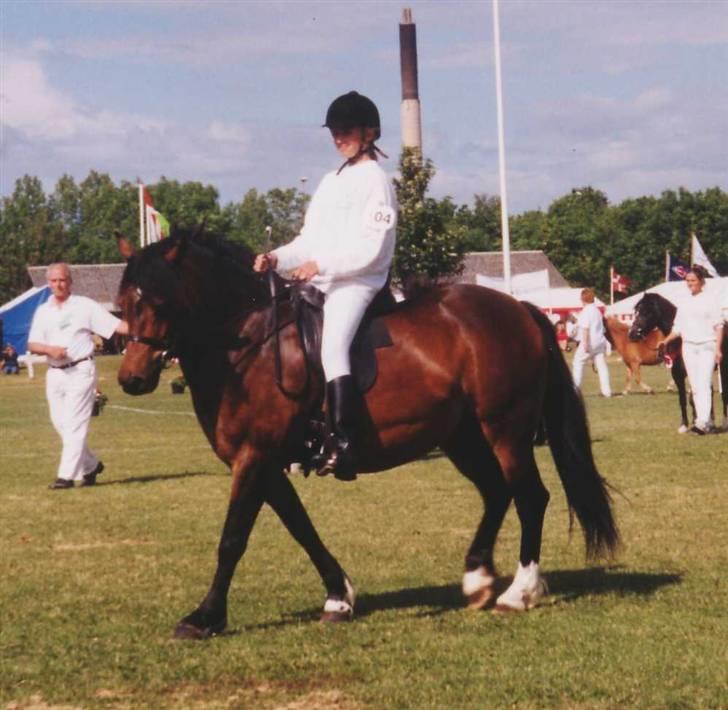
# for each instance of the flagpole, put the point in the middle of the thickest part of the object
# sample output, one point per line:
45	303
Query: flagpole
667	266
501	152
611	285
141	215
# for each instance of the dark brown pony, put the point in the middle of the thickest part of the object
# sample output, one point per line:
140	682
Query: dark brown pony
634	353
655	314
470	370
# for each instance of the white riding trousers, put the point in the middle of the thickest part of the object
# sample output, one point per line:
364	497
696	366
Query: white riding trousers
343	310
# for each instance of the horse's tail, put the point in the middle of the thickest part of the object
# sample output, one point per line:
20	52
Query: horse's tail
567	430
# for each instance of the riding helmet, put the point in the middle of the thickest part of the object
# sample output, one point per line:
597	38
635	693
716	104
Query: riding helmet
353	110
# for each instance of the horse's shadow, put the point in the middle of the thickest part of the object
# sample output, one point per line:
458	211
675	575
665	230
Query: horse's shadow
565	586
155	477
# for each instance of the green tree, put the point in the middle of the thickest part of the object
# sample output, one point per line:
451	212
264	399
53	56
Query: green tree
429	245
28	235
480	224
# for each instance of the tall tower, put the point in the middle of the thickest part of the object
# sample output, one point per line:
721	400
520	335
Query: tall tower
410	109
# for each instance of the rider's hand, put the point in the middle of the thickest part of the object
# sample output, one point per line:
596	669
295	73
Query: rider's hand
263	262
306	271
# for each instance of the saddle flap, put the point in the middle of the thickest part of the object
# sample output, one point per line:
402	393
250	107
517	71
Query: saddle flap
373	333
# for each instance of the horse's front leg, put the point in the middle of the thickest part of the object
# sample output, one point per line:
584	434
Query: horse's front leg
246	499
283	498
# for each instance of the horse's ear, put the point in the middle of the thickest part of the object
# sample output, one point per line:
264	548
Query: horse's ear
126	249
176	252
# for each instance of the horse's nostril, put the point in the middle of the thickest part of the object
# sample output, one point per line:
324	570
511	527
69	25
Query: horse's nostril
134	385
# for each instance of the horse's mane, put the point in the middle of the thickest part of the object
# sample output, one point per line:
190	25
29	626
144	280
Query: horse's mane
229	261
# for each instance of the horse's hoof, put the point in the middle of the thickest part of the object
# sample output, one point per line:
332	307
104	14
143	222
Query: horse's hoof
682	429
336	617
525	592
480	599
478	588
338	610
187	630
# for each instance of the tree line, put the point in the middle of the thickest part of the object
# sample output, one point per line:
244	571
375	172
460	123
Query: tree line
580	232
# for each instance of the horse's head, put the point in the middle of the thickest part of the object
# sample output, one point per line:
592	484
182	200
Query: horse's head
652	311
150	298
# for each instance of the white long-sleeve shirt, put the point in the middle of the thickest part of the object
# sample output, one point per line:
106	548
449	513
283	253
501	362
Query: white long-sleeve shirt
349	229
697	318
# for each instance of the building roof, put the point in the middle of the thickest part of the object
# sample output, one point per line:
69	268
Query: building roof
97	281
490	263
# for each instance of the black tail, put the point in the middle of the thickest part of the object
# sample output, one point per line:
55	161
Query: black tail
567	430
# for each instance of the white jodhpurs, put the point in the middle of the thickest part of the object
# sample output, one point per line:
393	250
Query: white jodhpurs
343	310
699	362
600	361
71	395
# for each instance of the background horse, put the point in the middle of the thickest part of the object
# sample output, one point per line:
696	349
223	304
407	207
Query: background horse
470	370
654	313
635	353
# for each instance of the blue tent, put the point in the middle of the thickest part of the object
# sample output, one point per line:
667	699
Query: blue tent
17	315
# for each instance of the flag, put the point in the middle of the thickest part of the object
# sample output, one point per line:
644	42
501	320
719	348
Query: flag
698	256
676	269
620	283
153	224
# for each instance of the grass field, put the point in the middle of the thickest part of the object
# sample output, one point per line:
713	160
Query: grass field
93	581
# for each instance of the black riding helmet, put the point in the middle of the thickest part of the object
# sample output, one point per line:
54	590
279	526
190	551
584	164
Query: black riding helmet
353	110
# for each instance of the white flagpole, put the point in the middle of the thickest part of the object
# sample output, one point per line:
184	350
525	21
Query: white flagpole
667	265
611	285
141	216
501	153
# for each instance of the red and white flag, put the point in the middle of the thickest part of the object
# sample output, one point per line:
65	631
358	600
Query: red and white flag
620	283
153	224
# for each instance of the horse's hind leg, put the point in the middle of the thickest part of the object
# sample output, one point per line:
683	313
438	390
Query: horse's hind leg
472	455
531	499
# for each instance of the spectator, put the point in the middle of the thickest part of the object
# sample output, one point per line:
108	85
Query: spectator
10	360
62	330
592	343
700	324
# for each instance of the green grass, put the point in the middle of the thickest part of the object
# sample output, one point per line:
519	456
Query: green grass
93	581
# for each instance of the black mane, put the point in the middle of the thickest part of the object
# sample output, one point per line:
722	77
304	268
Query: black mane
228	263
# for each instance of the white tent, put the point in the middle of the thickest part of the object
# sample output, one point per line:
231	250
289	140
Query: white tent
673	291
558	300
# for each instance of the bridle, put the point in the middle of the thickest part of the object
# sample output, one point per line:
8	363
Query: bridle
163	344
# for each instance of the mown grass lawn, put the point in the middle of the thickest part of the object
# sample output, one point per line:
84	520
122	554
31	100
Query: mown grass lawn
92	581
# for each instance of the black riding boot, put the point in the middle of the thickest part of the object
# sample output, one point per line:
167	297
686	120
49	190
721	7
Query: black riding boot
344	401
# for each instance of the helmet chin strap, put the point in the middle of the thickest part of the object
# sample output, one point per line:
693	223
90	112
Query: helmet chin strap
371	148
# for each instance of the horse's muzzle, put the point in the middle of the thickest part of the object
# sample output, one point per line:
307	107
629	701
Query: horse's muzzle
137	385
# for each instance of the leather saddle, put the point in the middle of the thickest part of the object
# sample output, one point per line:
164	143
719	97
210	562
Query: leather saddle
307	303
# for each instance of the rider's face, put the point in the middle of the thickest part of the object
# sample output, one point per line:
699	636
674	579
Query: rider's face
350	141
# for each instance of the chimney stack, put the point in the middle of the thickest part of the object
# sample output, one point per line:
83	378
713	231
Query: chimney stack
410	109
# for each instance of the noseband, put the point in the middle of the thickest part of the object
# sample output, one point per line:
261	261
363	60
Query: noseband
157	343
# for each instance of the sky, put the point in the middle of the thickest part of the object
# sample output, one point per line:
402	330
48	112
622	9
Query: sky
628	97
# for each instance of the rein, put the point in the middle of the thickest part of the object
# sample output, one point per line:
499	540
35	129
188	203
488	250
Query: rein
276	330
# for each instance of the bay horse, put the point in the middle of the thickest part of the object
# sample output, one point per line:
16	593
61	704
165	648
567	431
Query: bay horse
634	353
470	370
655	314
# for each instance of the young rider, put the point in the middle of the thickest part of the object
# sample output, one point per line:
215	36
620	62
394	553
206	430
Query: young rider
345	249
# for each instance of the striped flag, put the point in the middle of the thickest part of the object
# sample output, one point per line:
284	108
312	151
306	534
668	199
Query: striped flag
153	224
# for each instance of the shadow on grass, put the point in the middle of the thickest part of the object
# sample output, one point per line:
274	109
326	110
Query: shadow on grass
158	477
565	586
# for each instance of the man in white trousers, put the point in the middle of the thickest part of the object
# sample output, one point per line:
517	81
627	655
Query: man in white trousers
62	330
592	343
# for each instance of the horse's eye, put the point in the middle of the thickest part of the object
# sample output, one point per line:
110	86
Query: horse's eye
138	292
